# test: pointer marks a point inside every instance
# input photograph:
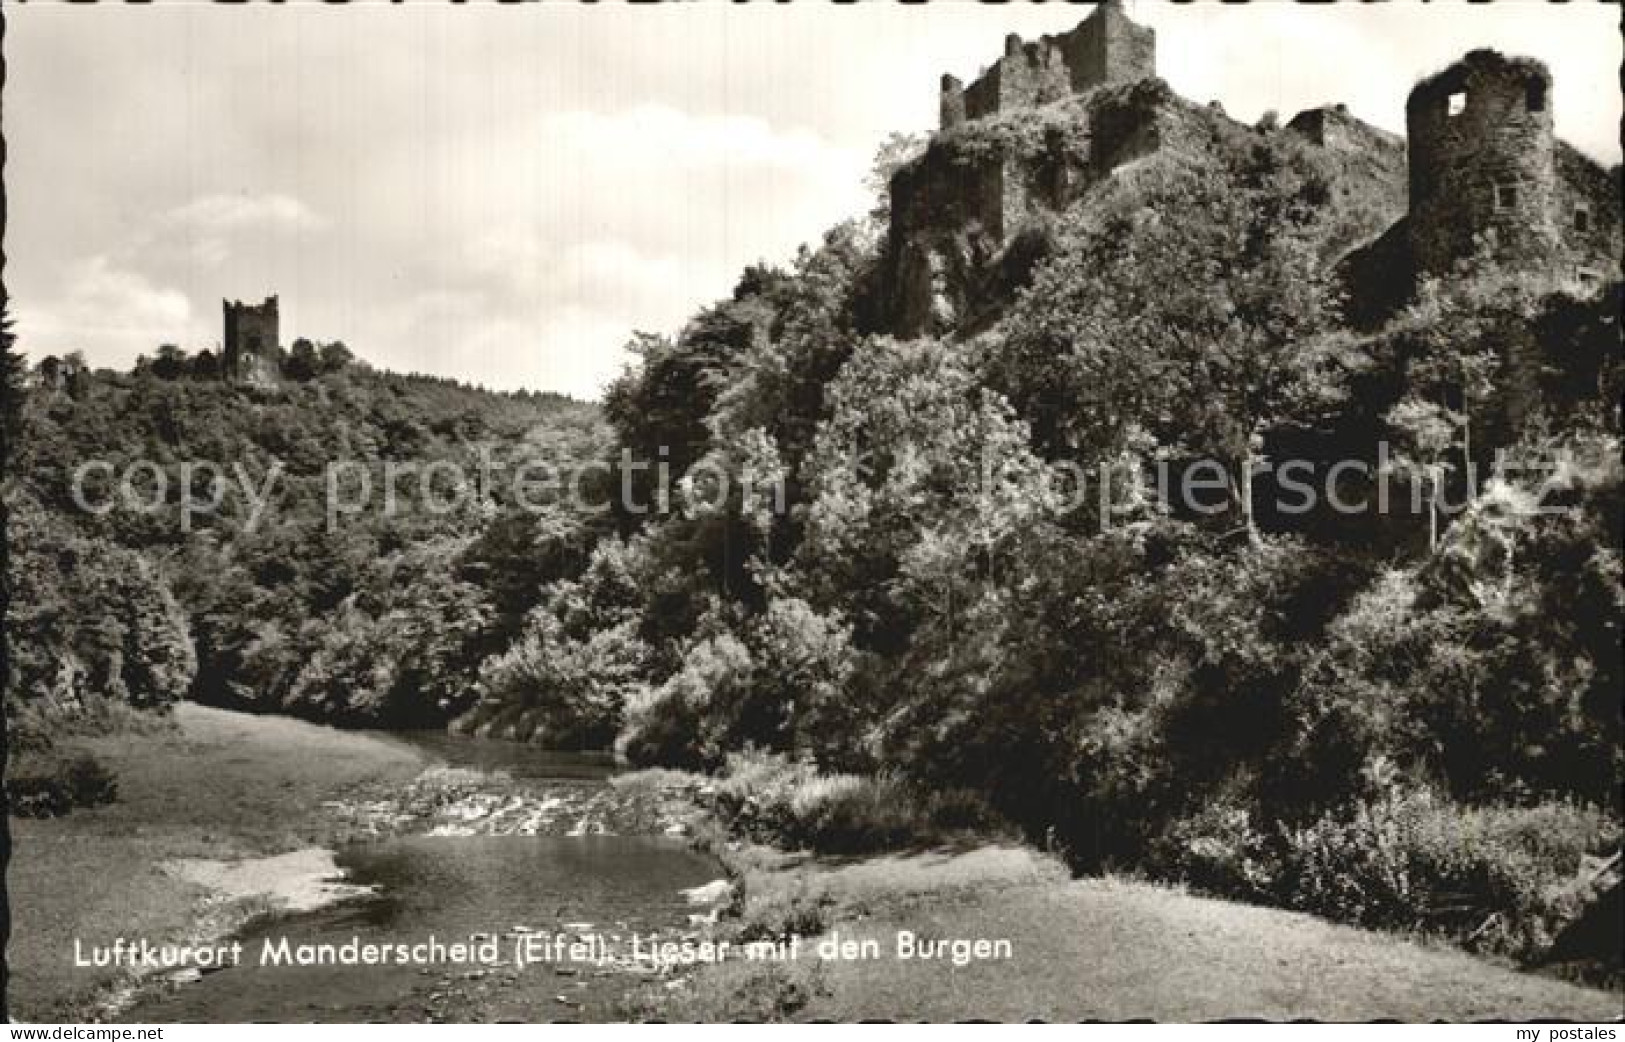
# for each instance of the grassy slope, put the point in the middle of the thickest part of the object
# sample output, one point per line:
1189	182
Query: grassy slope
1112	950
95	874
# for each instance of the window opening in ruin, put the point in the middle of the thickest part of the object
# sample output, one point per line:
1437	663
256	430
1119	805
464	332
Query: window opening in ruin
1582	219
1506	196
1458	102
1537	96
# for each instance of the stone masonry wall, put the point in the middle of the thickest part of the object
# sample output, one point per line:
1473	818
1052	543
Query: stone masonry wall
1029	74
959	208
1110	49
248	353
1482	170
1587	215
1107	48
1482	164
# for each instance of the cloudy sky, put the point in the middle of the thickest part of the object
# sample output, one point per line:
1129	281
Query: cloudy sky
504	194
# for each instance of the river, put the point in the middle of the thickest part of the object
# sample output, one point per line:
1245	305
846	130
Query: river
451	886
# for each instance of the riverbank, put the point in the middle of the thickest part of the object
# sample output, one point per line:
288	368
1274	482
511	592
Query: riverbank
1038	944
226	817
229	826
217	789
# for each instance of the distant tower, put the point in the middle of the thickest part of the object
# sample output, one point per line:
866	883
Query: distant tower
66	375
1482	165
249	350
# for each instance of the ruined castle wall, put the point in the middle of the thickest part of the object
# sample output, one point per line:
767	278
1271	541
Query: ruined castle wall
982	97
1315	126
1085	51
1107	48
1587	214
1129	125
1482	162
1131	50
1370	186
1331	126
61	376
1028	75
959	207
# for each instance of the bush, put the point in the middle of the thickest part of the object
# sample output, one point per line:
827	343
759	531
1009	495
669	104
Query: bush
552	689
849	814
1489	876
1220	849
684	722
1496	878
39	726
773	799
51	786
756	791
799	912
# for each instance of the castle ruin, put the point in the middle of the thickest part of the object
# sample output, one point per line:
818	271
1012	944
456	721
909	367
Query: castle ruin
1487	174
1106	48
61	375
249	350
957	213
1052	119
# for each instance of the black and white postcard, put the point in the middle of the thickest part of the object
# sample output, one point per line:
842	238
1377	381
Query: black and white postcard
708	512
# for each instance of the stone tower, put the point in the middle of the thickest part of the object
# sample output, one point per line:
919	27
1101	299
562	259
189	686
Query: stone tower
1482	163
1108	48
1105	48
249	350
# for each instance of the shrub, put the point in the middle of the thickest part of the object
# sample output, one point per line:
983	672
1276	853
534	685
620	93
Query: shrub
1490	876
849	814
39	726
659	729
772	993
777	800
653	781
797	912
684	722
50	786
1493	666
756	790
1220	849
1497	878
552	689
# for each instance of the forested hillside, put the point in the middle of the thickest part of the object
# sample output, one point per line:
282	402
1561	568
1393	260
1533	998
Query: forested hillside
1404	716
379	614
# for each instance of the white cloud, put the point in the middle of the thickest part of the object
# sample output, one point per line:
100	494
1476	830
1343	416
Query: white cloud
125	301
210	228
575	350
569	348
109	313
222	214
529	272
693	141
